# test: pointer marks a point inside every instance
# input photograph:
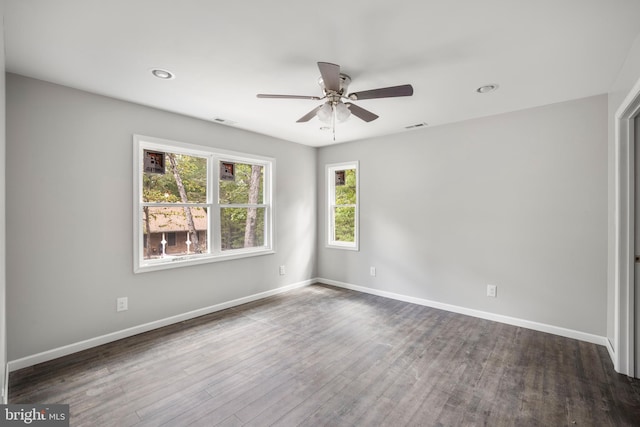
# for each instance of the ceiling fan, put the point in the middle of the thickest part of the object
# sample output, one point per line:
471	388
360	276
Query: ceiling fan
334	86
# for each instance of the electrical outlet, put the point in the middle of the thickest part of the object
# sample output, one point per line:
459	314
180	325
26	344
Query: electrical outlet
282	270
372	271
492	291
122	304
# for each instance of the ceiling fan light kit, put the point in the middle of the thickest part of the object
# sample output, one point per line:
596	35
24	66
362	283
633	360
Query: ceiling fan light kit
342	112
325	113
334	87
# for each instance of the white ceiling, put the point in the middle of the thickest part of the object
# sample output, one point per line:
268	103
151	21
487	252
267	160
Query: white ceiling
225	52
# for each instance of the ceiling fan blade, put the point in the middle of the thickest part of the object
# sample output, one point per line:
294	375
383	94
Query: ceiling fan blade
310	115
265	95
385	92
330	75
365	115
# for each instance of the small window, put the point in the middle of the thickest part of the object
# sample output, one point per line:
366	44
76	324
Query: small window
195	204
342	215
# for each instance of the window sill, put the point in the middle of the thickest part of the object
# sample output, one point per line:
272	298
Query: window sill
179	261
344	247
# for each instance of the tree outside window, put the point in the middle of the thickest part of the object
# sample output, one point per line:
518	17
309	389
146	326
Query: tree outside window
196	204
342	188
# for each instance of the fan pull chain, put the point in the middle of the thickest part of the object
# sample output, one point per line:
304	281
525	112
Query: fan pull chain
333	119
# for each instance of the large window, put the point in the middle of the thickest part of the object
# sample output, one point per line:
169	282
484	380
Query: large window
342	215
195	204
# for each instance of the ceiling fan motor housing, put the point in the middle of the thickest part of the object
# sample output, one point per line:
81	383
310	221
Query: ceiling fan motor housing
345	81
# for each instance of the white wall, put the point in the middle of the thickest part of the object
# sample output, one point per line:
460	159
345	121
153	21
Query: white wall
69	206
3	340
516	200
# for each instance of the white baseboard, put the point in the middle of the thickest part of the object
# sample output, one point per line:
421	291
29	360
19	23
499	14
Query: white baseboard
528	324
612	352
5	385
27	361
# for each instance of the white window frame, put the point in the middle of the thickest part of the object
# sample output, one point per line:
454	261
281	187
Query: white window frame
331	193
214	156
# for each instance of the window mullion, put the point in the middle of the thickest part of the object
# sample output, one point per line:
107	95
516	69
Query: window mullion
214	232
171	205
244	205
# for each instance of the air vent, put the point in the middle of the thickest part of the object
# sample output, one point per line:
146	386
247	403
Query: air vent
417	125
224	121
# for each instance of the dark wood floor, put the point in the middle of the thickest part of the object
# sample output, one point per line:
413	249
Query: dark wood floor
327	356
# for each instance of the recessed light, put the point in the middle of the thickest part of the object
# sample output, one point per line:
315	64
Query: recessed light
487	88
163	74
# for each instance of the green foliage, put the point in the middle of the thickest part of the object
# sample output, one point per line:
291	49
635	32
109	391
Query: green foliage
193	172
344	216
237	191
346	194
233	221
163	188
